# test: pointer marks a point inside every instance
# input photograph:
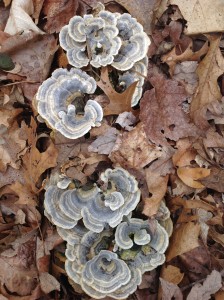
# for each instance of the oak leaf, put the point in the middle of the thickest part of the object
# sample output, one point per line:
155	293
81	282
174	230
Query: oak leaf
208	91
35	162
118	102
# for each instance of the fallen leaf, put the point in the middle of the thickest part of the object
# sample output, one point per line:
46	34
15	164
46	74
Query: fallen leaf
157	186
185	153
161	111
58	13
201	16
210	286
190	176
105	142
172	274
10	143
18	271
118	102
219	295
184	238
125	120
173	57
208	91
133	150
19	18
139	9
35	57
185	73
36	162
170	290
48	283
215	180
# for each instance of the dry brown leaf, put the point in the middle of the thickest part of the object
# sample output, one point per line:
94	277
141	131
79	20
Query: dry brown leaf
157	186
140	9
208	91
210	286
35	162
219	295
10	143
217	237
48	283
118	102
18	271
58	13
19	19
133	150
172	58
215	180
172	274
185	153
190	176
161	111
201	16
184	238
105	142
170	291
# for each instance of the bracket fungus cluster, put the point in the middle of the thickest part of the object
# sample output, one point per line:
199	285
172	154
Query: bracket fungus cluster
58	99
107	250
106	39
100	40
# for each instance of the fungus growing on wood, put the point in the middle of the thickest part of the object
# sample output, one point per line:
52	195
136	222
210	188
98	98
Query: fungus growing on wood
60	102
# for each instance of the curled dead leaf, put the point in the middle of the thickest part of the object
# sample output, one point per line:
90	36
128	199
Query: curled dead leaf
190	176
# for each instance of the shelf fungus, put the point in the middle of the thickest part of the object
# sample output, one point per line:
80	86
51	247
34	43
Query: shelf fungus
105	39
60	102
137	73
96	208
91	40
141	243
135	43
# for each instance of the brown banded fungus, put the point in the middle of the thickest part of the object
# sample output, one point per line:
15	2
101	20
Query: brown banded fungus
95	207
58	100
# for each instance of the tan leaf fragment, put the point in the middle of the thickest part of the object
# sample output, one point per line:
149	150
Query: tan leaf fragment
48	283
157	186
172	58
133	150
201	15
105	142
170	291
190	176
19	19
36	162
215	180
184	239
161	111
139	9
210	286
185	153
208	91
58	13
118	102
172	274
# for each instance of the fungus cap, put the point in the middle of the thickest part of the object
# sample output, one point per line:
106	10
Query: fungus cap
58	98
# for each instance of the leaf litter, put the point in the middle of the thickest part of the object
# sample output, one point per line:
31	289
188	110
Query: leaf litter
172	142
